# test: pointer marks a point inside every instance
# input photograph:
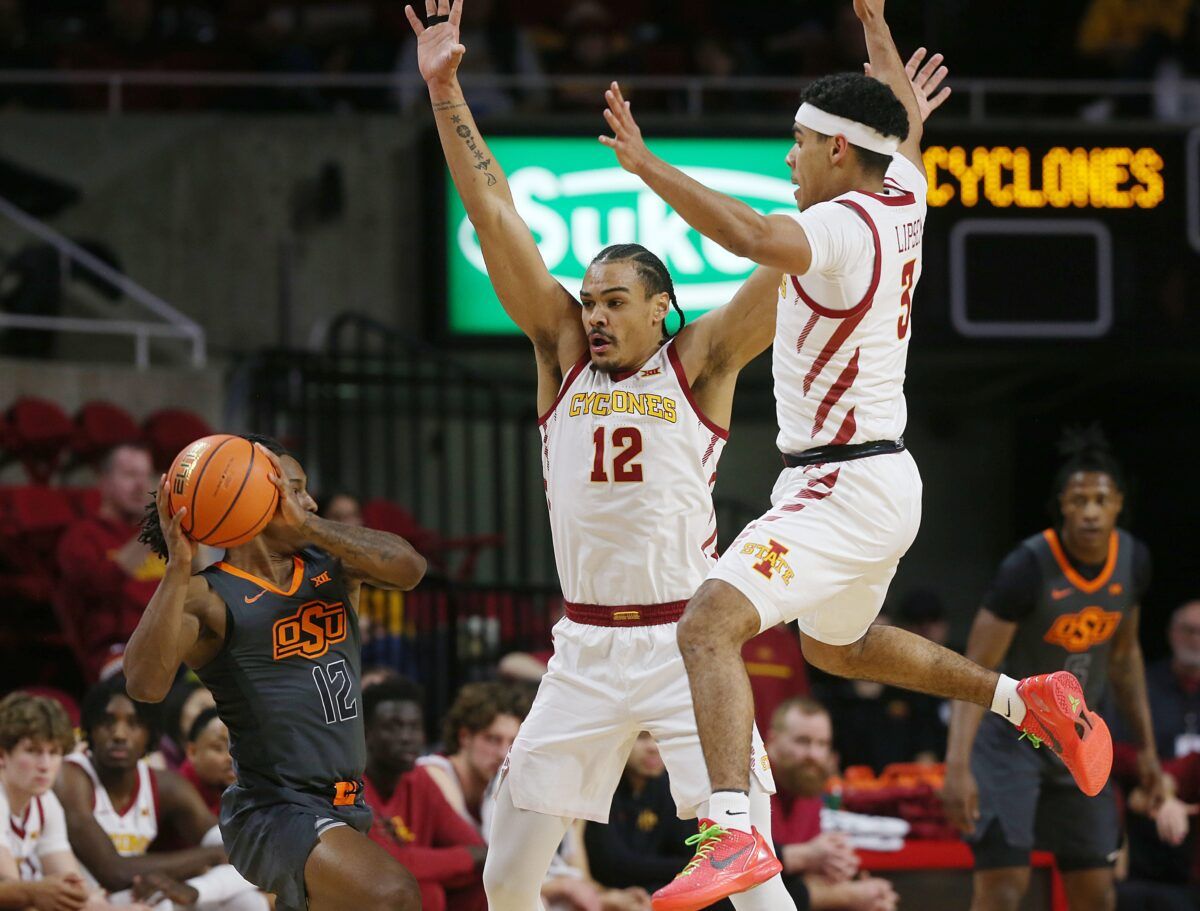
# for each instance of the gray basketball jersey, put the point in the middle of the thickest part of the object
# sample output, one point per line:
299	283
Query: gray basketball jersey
1074	619
286	681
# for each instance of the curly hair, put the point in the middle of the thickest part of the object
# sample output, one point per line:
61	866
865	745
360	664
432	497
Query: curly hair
38	718
868	101
477	706
152	534
95	706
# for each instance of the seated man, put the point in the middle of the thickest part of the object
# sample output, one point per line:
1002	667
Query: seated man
37	867
117	807
107	574
818	869
209	766
643	844
413	820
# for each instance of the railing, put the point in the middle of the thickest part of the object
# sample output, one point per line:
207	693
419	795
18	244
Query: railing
172	325
977	99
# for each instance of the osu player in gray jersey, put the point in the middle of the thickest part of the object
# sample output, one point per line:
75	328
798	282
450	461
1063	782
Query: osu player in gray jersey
272	631
1065	599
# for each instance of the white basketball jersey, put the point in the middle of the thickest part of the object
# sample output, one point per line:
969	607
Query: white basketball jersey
38	832
132	828
629	464
842	332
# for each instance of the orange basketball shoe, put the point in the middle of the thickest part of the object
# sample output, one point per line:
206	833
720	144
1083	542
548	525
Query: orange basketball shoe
1055	714
727	862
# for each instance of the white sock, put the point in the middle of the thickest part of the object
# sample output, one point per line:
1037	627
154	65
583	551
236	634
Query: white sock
1006	703
730	809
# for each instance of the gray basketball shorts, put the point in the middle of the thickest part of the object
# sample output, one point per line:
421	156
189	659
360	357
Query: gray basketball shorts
269	836
1028	800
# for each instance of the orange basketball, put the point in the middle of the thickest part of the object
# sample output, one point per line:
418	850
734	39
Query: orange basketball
225	483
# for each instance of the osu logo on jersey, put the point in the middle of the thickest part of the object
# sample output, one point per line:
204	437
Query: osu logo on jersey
310	631
1080	632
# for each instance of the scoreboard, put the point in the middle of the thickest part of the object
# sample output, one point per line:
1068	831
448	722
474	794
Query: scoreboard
1033	231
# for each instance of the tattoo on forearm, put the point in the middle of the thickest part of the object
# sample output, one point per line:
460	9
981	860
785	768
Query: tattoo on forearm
361	548
482	163
439	106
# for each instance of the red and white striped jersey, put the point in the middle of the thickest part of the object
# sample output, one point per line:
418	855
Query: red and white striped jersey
40	831
134	827
841	336
629	464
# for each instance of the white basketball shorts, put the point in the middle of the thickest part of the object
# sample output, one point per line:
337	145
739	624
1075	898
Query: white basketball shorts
827	550
604	686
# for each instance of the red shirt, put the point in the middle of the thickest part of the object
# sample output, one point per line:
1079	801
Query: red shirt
420	829
99	603
795	820
211	794
777	671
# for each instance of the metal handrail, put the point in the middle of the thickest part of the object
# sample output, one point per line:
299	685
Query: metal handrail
174	325
977	90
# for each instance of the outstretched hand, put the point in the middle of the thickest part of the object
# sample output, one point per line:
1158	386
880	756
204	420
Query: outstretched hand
626	140
438	49
925	81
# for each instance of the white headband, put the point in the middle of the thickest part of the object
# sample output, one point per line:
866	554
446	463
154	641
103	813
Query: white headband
856	133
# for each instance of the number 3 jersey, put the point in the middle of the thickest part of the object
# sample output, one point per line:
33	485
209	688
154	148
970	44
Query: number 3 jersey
629	464
286	680
842	329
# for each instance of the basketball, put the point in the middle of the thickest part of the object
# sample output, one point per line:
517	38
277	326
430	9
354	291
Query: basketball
225	483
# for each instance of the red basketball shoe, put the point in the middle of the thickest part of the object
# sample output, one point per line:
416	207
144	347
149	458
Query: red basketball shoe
727	862
1056	715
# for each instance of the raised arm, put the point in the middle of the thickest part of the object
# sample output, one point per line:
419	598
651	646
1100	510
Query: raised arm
379	558
181	623
724	340
887	67
538	304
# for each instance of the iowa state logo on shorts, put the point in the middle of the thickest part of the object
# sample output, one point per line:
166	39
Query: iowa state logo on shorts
310	631
1080	632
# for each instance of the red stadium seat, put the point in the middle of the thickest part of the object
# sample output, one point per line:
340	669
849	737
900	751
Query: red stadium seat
99	426
35	432
32	518
84	500
171	429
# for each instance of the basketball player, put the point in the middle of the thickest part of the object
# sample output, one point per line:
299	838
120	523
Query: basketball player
1064	599
847	505
38	869
117	808
272	631
633	421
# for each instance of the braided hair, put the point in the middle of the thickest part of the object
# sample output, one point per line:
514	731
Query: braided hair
651	271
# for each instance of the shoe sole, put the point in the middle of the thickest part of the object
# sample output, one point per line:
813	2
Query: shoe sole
1088	757
694	901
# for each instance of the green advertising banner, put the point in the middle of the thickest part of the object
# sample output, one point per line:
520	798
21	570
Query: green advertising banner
577	200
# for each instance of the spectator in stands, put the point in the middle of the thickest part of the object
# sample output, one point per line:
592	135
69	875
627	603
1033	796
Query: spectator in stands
777	671
413	820
480	727
37	867
1173	688
209	765
183	705
341	506
818	869
115	847
107	574
590	45
880	725
642	845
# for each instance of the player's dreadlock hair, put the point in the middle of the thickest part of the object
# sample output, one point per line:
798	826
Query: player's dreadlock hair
651	271
152	534
856	96
1083	449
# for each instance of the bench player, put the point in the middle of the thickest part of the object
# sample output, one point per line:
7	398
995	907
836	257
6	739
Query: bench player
847	505
272	632
633	422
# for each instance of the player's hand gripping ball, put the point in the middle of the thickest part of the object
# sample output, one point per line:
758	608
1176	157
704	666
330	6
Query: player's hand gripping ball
225	483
